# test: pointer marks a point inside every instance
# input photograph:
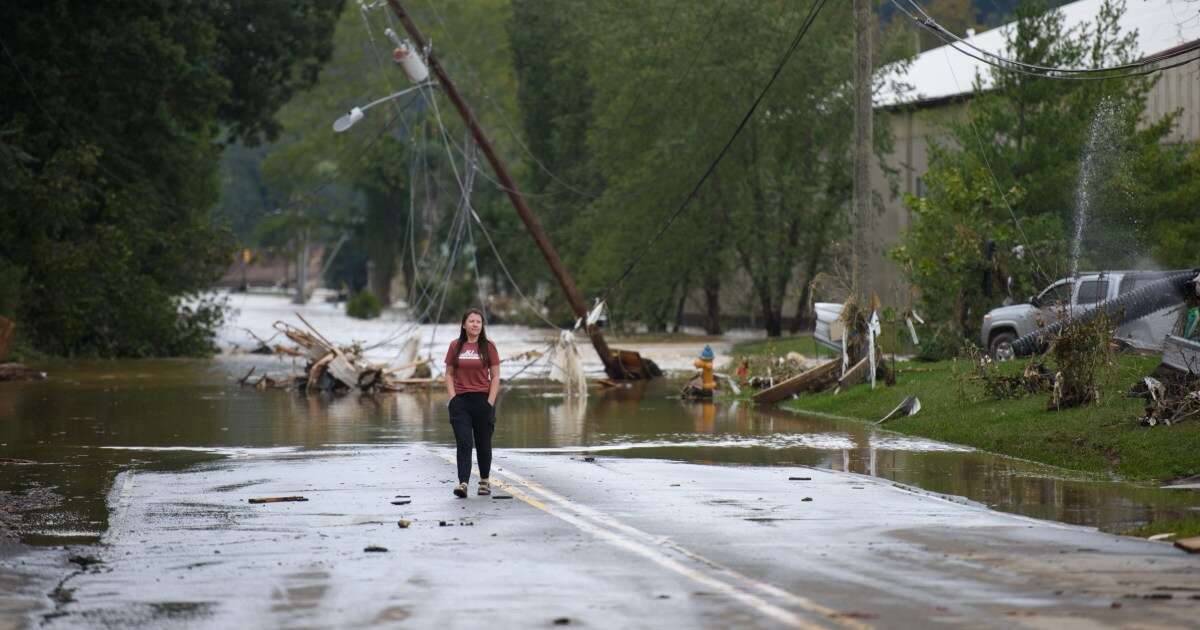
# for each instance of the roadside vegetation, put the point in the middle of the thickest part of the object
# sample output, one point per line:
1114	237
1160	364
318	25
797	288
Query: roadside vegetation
112	123
1103	438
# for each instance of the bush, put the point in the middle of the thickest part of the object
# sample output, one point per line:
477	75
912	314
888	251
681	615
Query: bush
941	342
364	305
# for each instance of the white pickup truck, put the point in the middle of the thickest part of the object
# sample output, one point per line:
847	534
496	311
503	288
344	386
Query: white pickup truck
1004	325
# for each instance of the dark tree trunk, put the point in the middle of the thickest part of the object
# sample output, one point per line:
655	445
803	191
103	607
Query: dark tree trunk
679	307
712	303
772	317
802	318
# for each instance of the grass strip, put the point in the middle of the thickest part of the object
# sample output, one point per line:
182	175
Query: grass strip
1104	438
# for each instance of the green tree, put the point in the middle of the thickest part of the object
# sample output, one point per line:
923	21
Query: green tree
670	83
112	119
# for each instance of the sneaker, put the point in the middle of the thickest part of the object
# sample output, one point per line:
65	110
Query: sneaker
485	488
460	490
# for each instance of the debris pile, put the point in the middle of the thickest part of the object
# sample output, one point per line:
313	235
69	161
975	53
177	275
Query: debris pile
1169	401
762	372
333	368
998	385
1081	350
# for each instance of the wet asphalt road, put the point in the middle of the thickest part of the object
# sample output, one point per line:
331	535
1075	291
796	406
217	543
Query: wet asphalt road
605	543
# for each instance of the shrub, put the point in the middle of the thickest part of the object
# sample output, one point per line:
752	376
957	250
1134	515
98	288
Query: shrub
364	305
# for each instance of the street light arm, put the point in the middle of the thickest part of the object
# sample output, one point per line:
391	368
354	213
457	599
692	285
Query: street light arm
356	113
392	96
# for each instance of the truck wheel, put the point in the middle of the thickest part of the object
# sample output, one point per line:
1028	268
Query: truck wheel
1001	346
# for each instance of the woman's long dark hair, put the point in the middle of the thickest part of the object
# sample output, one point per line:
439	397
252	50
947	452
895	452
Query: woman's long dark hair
462	338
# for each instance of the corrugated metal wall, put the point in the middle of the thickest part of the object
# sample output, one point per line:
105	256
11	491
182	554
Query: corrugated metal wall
1178	88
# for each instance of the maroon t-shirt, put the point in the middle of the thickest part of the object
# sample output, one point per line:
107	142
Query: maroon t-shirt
472	375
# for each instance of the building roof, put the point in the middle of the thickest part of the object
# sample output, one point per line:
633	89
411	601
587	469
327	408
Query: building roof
944	72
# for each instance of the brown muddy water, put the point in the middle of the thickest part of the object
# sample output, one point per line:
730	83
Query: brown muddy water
63	440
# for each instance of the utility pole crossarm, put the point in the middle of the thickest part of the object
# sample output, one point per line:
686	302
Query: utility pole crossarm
611	365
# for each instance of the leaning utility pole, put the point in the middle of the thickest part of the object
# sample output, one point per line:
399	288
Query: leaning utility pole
863	127
612	364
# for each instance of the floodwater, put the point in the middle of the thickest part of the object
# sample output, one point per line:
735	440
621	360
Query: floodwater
63	440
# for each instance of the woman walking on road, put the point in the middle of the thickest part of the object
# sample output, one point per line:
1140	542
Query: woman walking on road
473	382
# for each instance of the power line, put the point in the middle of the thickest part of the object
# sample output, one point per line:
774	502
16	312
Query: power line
808	21
1143	67
930	23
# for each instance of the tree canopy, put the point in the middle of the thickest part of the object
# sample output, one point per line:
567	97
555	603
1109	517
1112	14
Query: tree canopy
112	121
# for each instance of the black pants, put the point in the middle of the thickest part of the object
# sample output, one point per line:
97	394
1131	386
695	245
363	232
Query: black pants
473	421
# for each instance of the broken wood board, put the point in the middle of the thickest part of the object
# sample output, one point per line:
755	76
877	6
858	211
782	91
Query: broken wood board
854	375
277	499
1190	545
805	381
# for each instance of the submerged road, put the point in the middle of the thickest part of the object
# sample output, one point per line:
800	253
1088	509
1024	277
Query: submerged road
604	543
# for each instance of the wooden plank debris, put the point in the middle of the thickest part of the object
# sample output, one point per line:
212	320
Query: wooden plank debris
277	499
814	379
1190	545
854	375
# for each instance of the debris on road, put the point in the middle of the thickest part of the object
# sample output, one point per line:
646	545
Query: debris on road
84	561
501	496
277	499
799	478
404	523
1190	545
375	549
402	502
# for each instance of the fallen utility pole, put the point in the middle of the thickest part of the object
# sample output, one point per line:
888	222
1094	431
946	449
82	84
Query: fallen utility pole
614	366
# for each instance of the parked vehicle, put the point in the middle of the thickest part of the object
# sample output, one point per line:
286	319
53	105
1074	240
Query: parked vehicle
1004	325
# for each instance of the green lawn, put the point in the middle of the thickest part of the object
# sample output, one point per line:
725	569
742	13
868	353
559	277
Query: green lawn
1104	438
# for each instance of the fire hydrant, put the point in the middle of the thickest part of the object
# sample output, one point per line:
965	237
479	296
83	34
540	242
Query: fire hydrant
705	365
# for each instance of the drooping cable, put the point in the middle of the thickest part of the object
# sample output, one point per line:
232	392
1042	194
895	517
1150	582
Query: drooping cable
814	10
1143	67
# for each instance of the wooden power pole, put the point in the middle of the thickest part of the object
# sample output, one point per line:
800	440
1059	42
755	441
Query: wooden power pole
612	364
863	141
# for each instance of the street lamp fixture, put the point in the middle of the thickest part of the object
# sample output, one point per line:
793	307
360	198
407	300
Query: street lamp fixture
356	113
